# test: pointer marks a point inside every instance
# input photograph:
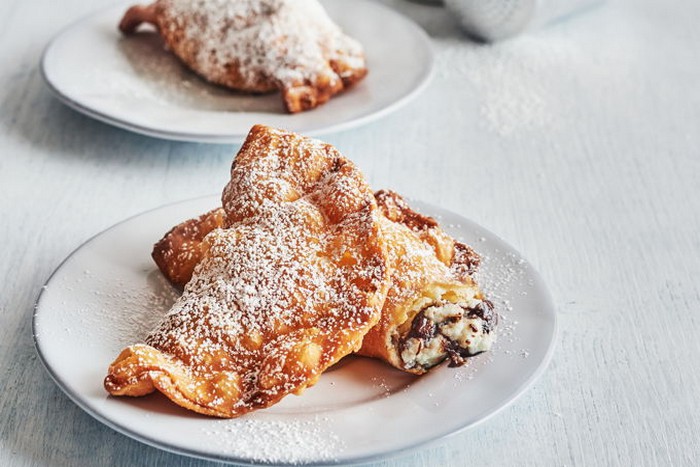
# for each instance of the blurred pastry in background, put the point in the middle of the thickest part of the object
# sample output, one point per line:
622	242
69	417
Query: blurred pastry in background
258	46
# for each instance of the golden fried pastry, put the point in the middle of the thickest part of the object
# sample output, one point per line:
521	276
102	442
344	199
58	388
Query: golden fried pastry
290	284
434	310
179	251
258	45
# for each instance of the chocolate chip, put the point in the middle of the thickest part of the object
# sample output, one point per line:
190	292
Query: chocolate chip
484	310
422	327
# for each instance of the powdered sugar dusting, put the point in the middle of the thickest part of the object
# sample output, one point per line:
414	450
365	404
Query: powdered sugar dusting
277	441
149	74
501	271
502	274
138	309
509	84
269	42
420	250
287	289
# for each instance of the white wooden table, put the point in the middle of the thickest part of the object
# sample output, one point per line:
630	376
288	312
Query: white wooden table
579	144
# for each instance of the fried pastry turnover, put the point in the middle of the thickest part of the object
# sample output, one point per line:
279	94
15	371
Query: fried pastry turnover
434	309
258	45
290	284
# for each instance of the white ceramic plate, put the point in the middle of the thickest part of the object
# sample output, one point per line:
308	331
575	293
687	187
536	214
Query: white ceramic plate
131	82
108	293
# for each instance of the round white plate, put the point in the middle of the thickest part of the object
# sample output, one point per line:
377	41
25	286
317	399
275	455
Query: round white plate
133	83
108	294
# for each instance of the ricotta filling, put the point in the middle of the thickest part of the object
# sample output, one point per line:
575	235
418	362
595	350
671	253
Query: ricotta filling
448	330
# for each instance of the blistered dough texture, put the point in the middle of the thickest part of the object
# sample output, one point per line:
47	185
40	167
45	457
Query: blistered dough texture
428	267
290	284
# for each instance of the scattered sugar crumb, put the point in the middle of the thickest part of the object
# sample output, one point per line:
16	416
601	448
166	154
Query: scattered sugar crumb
277	441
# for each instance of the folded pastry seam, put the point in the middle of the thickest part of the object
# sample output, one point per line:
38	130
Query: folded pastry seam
287	287
302	266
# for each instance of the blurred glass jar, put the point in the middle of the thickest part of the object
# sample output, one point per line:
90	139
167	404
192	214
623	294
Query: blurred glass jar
492	20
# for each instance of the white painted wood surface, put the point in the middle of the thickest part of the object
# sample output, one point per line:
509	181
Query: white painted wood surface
579	144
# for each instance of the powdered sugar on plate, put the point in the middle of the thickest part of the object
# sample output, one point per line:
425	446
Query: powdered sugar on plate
267	440
502	276
139	309
151	74
360	410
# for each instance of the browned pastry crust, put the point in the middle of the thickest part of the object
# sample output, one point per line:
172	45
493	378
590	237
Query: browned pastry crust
179	251
429	270
461	258
258	46
289	286
426	263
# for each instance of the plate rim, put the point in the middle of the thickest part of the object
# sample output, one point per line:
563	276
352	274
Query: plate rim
543	364
426	77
